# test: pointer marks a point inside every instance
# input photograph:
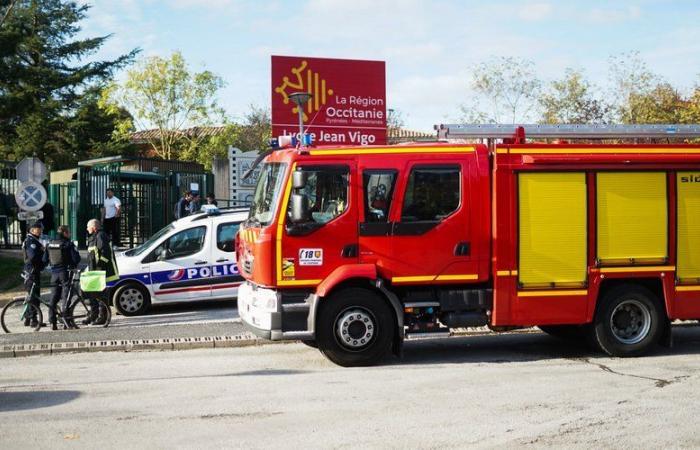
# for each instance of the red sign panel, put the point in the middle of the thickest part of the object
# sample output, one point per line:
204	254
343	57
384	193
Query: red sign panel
348	103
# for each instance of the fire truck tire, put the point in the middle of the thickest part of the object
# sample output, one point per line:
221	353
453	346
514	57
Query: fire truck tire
131	299
629	322
571	333
311	344
355	327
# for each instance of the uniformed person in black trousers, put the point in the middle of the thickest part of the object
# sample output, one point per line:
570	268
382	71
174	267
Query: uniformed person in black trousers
35	260
100	257
63	257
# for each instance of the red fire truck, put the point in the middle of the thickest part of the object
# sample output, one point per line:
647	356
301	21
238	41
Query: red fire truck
355	249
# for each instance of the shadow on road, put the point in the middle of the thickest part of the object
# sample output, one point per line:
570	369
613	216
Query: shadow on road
506	348
18	401
211	310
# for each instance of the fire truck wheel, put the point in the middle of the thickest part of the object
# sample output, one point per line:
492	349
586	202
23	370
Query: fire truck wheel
629	322
131	299
355	327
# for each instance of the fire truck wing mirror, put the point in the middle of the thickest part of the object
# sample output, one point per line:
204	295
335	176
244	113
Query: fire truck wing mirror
300	208
299	179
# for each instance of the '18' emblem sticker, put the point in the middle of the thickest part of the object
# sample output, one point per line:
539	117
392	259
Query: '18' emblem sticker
311	257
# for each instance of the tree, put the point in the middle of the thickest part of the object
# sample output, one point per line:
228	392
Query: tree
256	130
507	89
44	76
394	121
631	80
165	94
571	100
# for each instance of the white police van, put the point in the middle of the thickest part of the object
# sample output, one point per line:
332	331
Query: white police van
193	258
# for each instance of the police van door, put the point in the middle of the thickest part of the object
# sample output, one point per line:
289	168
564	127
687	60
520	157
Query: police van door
179	266
225	278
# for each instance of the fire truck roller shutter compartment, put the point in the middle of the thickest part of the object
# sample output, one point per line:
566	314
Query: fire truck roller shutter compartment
552	230
688	197
632	213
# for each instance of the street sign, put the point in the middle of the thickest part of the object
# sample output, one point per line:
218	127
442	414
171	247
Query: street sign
31	169
30	196
30	216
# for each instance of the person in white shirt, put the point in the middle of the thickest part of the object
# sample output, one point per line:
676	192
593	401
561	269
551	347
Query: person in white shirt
111	211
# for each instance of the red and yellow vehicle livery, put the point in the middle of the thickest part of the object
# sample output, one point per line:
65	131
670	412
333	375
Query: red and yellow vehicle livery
357	248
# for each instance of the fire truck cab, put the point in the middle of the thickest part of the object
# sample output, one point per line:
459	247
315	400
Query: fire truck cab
354	249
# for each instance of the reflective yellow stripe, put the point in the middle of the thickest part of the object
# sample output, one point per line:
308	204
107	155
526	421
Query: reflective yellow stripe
392	151
112	278
551	293
102	258
506	273
687	288
298	282
612	150
457	277
410	279
637	269
280	224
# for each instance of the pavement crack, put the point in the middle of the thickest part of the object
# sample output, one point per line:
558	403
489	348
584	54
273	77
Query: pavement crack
658	382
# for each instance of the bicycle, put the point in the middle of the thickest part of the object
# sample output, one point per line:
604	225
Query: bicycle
19	315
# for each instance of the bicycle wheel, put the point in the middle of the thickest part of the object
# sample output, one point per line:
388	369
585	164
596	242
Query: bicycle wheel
105	315
78	313
18	316
81	310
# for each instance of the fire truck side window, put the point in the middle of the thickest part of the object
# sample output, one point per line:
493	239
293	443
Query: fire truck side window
432	194
379	187
327	193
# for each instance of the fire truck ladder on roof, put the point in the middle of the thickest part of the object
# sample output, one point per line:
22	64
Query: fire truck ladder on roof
502	131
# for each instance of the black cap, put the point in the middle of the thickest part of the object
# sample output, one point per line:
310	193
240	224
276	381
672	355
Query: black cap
37	224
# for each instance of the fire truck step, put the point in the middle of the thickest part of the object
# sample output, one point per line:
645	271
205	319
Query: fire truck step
445	333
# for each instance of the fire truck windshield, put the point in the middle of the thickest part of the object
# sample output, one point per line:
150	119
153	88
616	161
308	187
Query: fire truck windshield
267	192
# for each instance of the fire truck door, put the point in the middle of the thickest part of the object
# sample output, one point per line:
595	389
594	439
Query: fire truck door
325	236
432	233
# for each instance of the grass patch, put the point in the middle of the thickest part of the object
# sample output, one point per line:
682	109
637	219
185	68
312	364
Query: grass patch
10	273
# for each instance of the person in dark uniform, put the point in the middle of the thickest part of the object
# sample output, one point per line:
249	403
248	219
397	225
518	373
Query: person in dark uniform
35	260
211	200
182	208
100	257
63	257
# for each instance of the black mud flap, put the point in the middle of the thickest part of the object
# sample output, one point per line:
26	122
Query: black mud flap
667	336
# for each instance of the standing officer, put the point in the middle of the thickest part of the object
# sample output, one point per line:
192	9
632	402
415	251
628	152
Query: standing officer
35	260
63	257
100	257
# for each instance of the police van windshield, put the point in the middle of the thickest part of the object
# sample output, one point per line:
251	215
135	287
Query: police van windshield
267	192
143	247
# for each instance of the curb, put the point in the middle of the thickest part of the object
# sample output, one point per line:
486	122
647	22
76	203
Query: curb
181	343
237	340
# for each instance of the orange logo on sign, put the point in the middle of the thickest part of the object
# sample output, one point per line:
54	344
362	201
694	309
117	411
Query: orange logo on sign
309	81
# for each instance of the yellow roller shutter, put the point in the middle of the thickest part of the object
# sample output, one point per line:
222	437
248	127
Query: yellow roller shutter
688	266
632	217
552	229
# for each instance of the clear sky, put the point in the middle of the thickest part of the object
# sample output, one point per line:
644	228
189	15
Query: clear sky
429	46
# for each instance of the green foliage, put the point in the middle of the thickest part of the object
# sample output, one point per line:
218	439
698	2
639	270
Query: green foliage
572	100
44	80
255	132
165	94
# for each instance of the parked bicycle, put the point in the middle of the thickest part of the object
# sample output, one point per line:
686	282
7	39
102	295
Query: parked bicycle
22	315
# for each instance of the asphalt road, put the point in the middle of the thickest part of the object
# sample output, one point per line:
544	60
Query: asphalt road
212	318
527	390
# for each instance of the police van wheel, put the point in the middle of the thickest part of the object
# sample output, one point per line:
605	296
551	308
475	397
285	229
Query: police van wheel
629	322
131	299
355	328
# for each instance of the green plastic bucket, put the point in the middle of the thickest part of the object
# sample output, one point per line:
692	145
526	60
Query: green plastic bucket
93	281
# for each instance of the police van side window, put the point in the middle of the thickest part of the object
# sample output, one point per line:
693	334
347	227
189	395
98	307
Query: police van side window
184	243
432	193
226	236
379	188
